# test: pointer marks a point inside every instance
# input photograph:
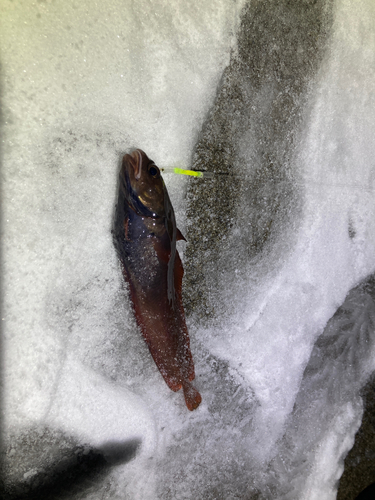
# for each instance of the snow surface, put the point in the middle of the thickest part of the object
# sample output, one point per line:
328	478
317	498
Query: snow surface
81	84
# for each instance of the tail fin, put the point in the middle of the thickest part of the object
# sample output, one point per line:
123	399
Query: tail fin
192	397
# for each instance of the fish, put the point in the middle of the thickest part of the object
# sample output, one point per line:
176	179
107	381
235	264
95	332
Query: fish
145	235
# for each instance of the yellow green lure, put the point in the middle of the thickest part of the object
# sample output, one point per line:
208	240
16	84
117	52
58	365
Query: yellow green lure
192	173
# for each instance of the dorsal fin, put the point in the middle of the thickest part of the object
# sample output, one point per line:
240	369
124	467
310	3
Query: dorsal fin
179	235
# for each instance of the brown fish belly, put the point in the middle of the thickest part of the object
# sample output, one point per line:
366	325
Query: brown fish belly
163	325
165	333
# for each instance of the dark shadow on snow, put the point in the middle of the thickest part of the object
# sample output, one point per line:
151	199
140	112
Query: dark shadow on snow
45	464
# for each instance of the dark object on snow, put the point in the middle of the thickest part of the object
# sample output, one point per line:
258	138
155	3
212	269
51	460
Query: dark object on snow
145	236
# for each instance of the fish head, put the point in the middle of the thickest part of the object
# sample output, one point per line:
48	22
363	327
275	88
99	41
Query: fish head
143	185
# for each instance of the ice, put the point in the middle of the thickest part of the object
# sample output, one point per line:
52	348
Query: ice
282	319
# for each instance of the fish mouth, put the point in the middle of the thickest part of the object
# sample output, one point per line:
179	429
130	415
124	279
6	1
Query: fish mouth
137	163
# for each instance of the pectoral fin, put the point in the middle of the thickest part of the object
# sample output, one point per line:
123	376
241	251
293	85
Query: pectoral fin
178	275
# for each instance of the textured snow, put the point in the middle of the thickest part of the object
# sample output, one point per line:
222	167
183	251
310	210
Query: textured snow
81	84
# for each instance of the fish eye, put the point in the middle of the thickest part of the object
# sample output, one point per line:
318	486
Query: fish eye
154	171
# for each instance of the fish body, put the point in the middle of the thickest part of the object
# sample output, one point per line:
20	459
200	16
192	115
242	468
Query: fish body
145	236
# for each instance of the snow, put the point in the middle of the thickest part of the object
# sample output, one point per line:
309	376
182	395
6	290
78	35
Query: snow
81	84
